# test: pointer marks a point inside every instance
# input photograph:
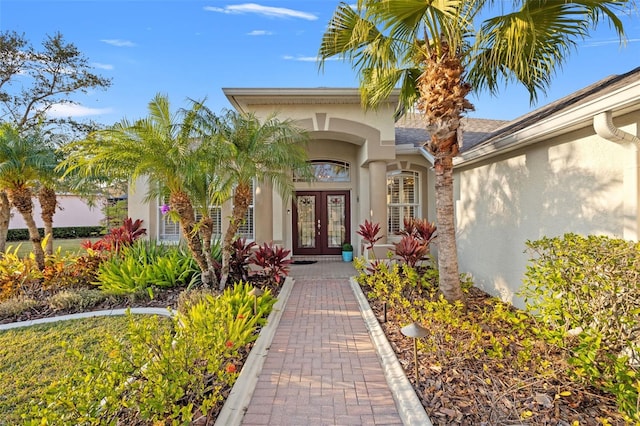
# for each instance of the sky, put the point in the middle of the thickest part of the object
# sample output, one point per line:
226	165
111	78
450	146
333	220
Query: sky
192	49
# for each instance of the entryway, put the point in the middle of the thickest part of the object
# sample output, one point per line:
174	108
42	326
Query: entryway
320	222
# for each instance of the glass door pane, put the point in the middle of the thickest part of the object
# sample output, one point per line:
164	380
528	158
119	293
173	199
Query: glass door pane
306	221
336	205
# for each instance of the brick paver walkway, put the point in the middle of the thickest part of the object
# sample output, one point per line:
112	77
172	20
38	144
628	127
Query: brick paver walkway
321	368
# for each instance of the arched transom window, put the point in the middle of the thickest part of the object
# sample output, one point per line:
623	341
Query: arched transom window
330	171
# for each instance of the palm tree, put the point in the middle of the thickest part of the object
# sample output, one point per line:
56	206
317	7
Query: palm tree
23	160
436	53
164	147
209	190
271	150
50	180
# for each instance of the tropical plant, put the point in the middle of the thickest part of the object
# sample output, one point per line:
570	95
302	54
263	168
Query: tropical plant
273	261
145	265
421	229
240	259
436	53
123	236
411	250
17	274
369	232
208	192
165	148
269	150
24	159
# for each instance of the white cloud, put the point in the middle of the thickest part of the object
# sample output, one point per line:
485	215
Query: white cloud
273	12
259	33
598	43
102	66
118	43
75	110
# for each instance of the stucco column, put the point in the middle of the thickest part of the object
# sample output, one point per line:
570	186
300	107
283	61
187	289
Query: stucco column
263	212
378	196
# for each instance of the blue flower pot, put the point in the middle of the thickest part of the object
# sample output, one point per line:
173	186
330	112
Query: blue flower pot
347	256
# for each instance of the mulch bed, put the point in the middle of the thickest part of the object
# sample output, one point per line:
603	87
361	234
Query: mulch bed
457	390
165	298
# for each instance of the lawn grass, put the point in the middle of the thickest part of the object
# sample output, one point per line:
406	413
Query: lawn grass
72	245
31	358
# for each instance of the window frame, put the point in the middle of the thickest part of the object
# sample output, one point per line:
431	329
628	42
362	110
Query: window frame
403	208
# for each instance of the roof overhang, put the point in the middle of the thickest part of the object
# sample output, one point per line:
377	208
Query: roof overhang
619	102
243	99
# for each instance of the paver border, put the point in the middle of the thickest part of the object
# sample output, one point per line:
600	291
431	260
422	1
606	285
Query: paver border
409	406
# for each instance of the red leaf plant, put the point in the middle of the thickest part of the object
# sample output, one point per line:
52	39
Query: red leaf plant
411	250
117	238
421	229
273	261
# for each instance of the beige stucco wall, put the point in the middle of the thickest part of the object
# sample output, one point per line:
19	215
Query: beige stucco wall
572	183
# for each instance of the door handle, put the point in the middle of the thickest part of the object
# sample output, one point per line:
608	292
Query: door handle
319	226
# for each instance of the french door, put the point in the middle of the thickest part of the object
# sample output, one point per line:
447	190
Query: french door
320	222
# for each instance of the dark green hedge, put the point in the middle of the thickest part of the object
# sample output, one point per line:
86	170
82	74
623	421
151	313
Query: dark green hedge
58	233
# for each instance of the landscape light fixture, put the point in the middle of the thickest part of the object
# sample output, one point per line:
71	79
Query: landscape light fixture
255	292
415	331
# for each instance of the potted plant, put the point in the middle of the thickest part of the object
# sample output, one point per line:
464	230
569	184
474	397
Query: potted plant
347	252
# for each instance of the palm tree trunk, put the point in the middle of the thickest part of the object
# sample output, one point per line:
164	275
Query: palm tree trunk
5	217
48	204
181	203
241	201
447	250
21	200
206	231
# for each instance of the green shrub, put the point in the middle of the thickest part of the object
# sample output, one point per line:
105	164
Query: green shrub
68	270
160	375
585	291
58	233
190	297
75	299
16	306
454	336
18	276
145	265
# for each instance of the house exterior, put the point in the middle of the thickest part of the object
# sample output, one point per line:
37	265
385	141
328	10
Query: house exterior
72	211
570	166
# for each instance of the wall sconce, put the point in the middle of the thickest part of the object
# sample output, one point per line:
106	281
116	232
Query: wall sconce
255	292
415	331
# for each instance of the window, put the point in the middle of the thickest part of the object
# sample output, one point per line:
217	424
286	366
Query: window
169	231
403	198
329	171
246	228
